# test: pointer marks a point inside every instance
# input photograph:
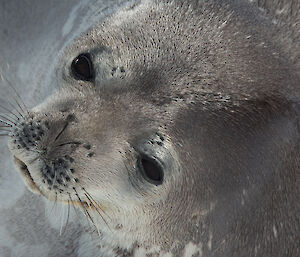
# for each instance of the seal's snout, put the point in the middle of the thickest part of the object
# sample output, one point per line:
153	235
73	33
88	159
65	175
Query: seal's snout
35	133
43	150
27	134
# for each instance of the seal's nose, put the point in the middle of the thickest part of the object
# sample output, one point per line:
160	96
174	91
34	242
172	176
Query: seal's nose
31	132
28	133
42	146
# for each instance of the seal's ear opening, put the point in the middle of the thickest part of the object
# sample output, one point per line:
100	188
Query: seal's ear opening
82	67
151	170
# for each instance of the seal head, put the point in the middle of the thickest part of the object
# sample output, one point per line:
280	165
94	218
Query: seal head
175	130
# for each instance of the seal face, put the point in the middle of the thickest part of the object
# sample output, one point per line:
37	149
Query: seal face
175	130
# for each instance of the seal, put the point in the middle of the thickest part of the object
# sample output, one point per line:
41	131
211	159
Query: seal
175	130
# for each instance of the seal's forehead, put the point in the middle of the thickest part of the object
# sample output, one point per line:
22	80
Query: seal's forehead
213	53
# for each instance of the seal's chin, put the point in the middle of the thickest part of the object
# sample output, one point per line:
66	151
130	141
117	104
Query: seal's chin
22	167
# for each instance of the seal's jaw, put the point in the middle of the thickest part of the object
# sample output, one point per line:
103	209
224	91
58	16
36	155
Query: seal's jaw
25	174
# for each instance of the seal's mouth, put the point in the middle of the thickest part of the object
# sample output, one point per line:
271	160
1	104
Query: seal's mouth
32	186
26	176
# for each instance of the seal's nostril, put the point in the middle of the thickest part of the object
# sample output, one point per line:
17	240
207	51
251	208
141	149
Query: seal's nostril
66	109
71	117
47	125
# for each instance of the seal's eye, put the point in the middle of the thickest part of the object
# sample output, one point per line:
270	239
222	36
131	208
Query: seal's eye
151	170
82	67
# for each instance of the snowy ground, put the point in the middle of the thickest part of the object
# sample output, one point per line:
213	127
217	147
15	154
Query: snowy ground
32	34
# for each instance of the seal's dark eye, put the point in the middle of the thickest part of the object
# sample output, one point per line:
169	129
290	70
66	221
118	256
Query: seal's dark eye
151	170
82	67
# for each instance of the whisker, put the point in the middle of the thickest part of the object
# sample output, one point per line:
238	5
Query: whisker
54	204
8	116
10	86
98	211
9	111
6	125
92	200
89	217
3	121
68	143
15	109
92	221
98	231
76	213
7	119
80	201
6	130
88	221
4	135
86	213
74	207
90	196
62	218
17	103
63	129
68	215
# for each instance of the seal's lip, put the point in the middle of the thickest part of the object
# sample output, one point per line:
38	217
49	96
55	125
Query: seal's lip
29	181
26	175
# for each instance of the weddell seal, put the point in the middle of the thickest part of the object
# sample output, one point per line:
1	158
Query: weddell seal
175	129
